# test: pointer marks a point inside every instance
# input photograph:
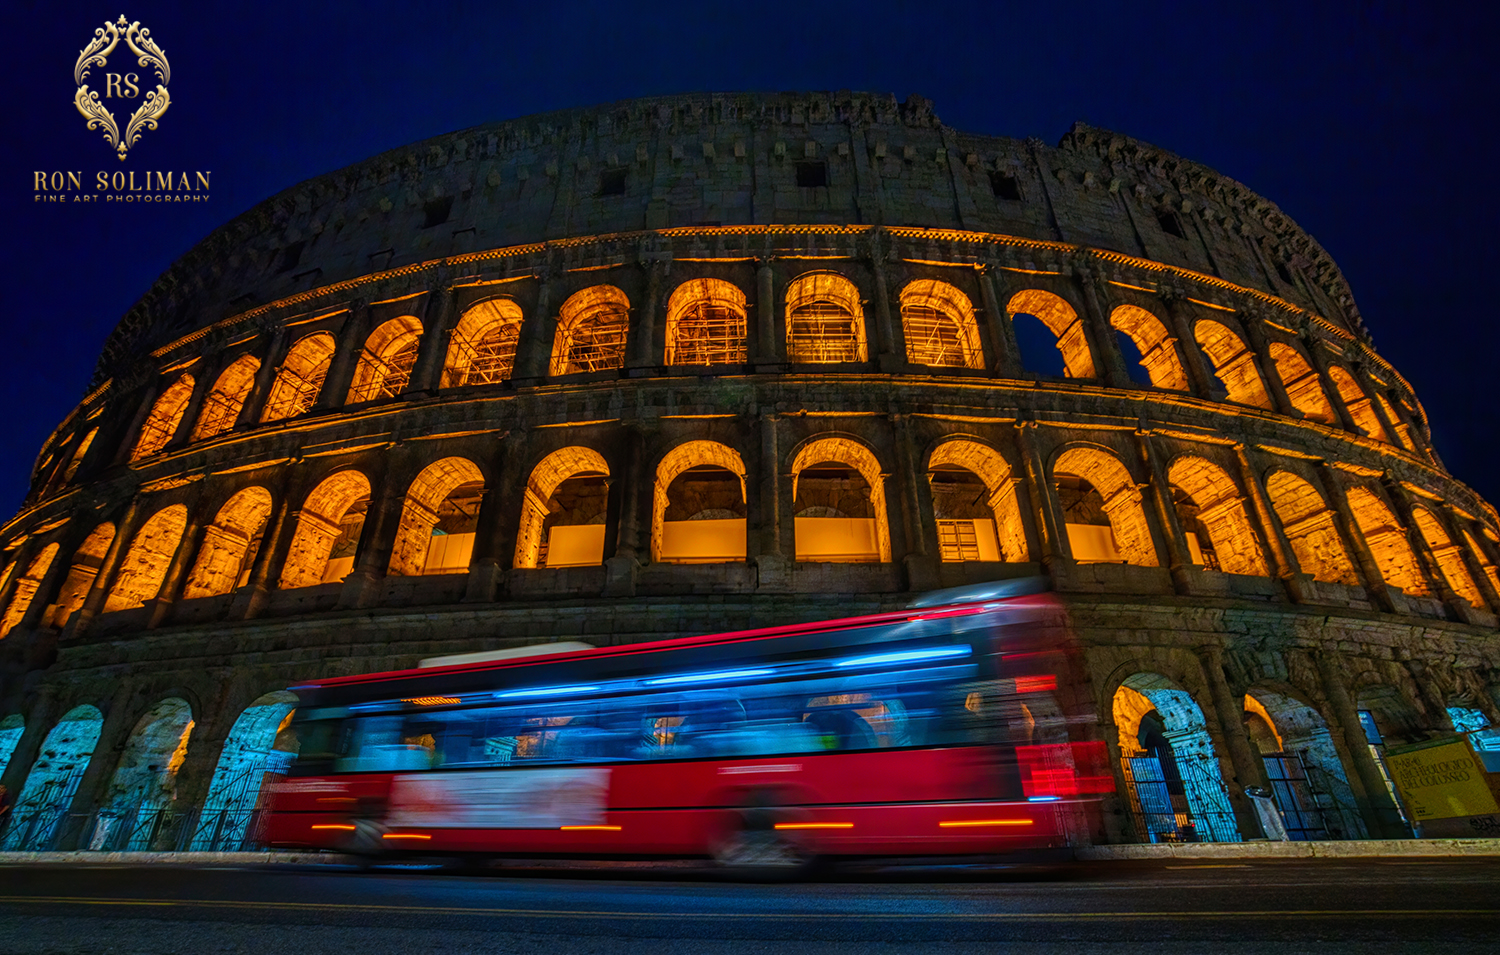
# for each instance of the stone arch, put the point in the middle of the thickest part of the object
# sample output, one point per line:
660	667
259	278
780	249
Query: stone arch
825	323
999	496
824	536
1216	509
1173	779
164	418
591	329
1402	429
1302	384
1309	526
11	729
706	324
1386	710
26	588
260	744
1130	535
1450	558
87	560
229	544
221	408
386	361
713	532
1158	349
78	455
141	573
1234	364
1387	541
482	349
144	783
1361	408
1063	322
300	377
53	779
534	544
939	325
328	525
429	517
1480	555
1307	775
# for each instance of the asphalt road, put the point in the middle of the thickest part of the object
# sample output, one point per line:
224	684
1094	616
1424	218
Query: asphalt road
1267	908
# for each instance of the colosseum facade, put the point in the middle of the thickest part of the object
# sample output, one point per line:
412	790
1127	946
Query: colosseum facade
695	363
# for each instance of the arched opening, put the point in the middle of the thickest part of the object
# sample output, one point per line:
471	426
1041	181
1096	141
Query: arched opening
42	807
1402	429
563	516
1303	767
1386	717
11	729
1064	332
1450	558
838	503
230	544
221	409
141	573
698	514
328	531
482	350
1172	775
439	519
136	810
78	455
1157	350
974	502
1219	533
387	360
1308	523
939	324
706	324
162	422
87	560
1302	384
1361	408
26	588
300	378
1234	364
825	323
1387	542
260	745
1102	509
591	329
1482	557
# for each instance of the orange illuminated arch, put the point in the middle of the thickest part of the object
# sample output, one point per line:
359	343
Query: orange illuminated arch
825	323
938	321
229	544
1158	349
165	415
419	514
1448	555
1387	541
855	455
225	399
697	454
591	329
1309	527
386	361
301	377
329	517
26	588
551	472
483	347
87	560
1221	512
1361	408
1063	322
144	568
1000	485
1234	364
1122	500
706	324
1302	384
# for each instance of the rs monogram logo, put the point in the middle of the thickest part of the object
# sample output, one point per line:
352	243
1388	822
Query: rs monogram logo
149	56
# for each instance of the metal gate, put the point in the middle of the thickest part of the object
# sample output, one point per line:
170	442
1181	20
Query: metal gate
1200	814
1295	798
40	828
231	820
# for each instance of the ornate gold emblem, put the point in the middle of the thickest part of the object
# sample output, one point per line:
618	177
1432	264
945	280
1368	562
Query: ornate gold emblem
149	56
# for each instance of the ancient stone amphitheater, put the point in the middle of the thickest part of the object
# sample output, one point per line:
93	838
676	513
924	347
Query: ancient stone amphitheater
696	363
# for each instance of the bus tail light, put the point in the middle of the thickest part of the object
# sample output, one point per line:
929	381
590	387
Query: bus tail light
1061	770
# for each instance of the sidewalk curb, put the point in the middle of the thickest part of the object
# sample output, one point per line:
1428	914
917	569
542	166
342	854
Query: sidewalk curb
1365	849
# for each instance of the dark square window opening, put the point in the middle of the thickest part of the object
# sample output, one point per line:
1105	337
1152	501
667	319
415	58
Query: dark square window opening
1004	186
437	211
812	175
290	256
1170	224
1285	273
612	182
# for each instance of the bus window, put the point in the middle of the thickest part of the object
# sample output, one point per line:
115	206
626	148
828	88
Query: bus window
378	744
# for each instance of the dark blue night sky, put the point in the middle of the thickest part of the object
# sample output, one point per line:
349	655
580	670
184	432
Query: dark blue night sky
1371	124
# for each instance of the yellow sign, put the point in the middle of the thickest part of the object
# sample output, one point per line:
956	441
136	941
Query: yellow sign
122	85
1441	781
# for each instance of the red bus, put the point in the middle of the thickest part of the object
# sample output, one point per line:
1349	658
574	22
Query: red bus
958	726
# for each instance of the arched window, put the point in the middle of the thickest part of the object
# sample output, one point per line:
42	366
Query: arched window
1449	558
438	520
1402	429
87	560
698	509
825	324
300	378
1234	364
838	503
1361	408
1302	384
225	399
591	330
162	422
706	324
974	503
385	363
259	744
1158	349
141	573
54	778
1308	524
1219	533
1484	560
482	350
78	455
939	324
562	518
328	531
230	544
26	588
1102	509
1063	324
145	779
1387	542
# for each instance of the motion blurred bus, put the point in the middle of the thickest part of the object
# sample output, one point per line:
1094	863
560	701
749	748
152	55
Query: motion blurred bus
960	726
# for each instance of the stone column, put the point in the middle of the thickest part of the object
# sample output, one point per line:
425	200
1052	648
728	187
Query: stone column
184	430
348	349
1201	381
1471	559
265	376
491	558
1096	322
176	576
770	336
1319	358
645	351
47	588
1269	373
1006	362
1051	522
114	734
1377	407
1427	561
630	546
920	525
1354	539
132	432
40	719
427	372
1381	816
250	600
377	539
889	343
1248	769
773	562
1179	559
1283	558
534	348
99	591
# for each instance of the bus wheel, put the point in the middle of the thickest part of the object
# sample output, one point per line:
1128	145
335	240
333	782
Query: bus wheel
754	849
366	843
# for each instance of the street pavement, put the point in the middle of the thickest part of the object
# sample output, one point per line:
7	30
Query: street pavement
1268	908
